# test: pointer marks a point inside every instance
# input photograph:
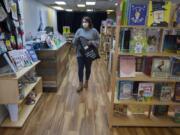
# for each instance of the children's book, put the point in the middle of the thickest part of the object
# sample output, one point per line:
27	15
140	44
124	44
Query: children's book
176	15
138	42
145	91
139	64
137	14
177	114
166	93
125	39
124	10
147	65
3	14
175	67
171	43
160	110
125	90
127	66
161	67
177	92
32	52
159	13
153	40
120	110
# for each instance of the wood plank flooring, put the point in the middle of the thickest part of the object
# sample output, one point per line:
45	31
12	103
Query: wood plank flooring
69	113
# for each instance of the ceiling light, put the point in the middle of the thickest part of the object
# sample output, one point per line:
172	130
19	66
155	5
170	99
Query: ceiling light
109	10
81	5
69	10
60	2
91	3
116	4
58	8
89	10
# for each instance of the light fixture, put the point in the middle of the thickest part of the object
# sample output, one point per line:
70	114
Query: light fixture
58	8
69	10
89	10
116	4
81	5
109	10
91	3
60	2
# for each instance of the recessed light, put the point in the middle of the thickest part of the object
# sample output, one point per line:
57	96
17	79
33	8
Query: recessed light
116	4
81	5
69	10
91	3
89	10
109	10
58	8
60	2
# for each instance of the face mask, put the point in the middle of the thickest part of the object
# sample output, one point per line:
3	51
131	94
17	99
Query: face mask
85	25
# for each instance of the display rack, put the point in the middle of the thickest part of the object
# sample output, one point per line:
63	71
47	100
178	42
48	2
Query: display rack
136	120
9	94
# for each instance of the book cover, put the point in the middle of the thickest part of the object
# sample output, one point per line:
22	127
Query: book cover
3	48
177	114
153	40
166	93
176	15
137	14
138	109
160	110
161	67
139	64
120	110
171	43
125	90
127	66
138	41
32	53
124	10
175	67
147	65
145	91
3	14
159	13
177	92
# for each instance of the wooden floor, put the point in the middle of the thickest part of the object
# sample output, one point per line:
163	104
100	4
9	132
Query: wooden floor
69	113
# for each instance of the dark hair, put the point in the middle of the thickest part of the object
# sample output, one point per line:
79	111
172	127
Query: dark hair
88	19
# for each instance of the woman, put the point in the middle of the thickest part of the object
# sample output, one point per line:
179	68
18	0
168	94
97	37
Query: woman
91	34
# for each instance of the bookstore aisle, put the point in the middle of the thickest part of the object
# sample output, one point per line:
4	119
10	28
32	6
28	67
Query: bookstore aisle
68	113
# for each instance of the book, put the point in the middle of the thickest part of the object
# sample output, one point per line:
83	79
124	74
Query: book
166	93
8	45
177	114
161	67
160	110
3	48
177	92
175	67
176	15
127	66
139	64
120	110
125	90
137	14
32	52
138	109
170	43
145	91
124	40
138	41
147	65
153	40
7	5
159	13
124	10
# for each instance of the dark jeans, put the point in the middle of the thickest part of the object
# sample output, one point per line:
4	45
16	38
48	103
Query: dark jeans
84	62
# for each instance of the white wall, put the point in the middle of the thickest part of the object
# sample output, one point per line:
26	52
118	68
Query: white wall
31	15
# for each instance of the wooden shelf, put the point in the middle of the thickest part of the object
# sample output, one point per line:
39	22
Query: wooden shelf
29	88
152	102
158	54
25	112
144	121
20	73
147	27
142	77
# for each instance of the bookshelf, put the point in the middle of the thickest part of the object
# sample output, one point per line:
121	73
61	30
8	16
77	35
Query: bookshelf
9	94
148	119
